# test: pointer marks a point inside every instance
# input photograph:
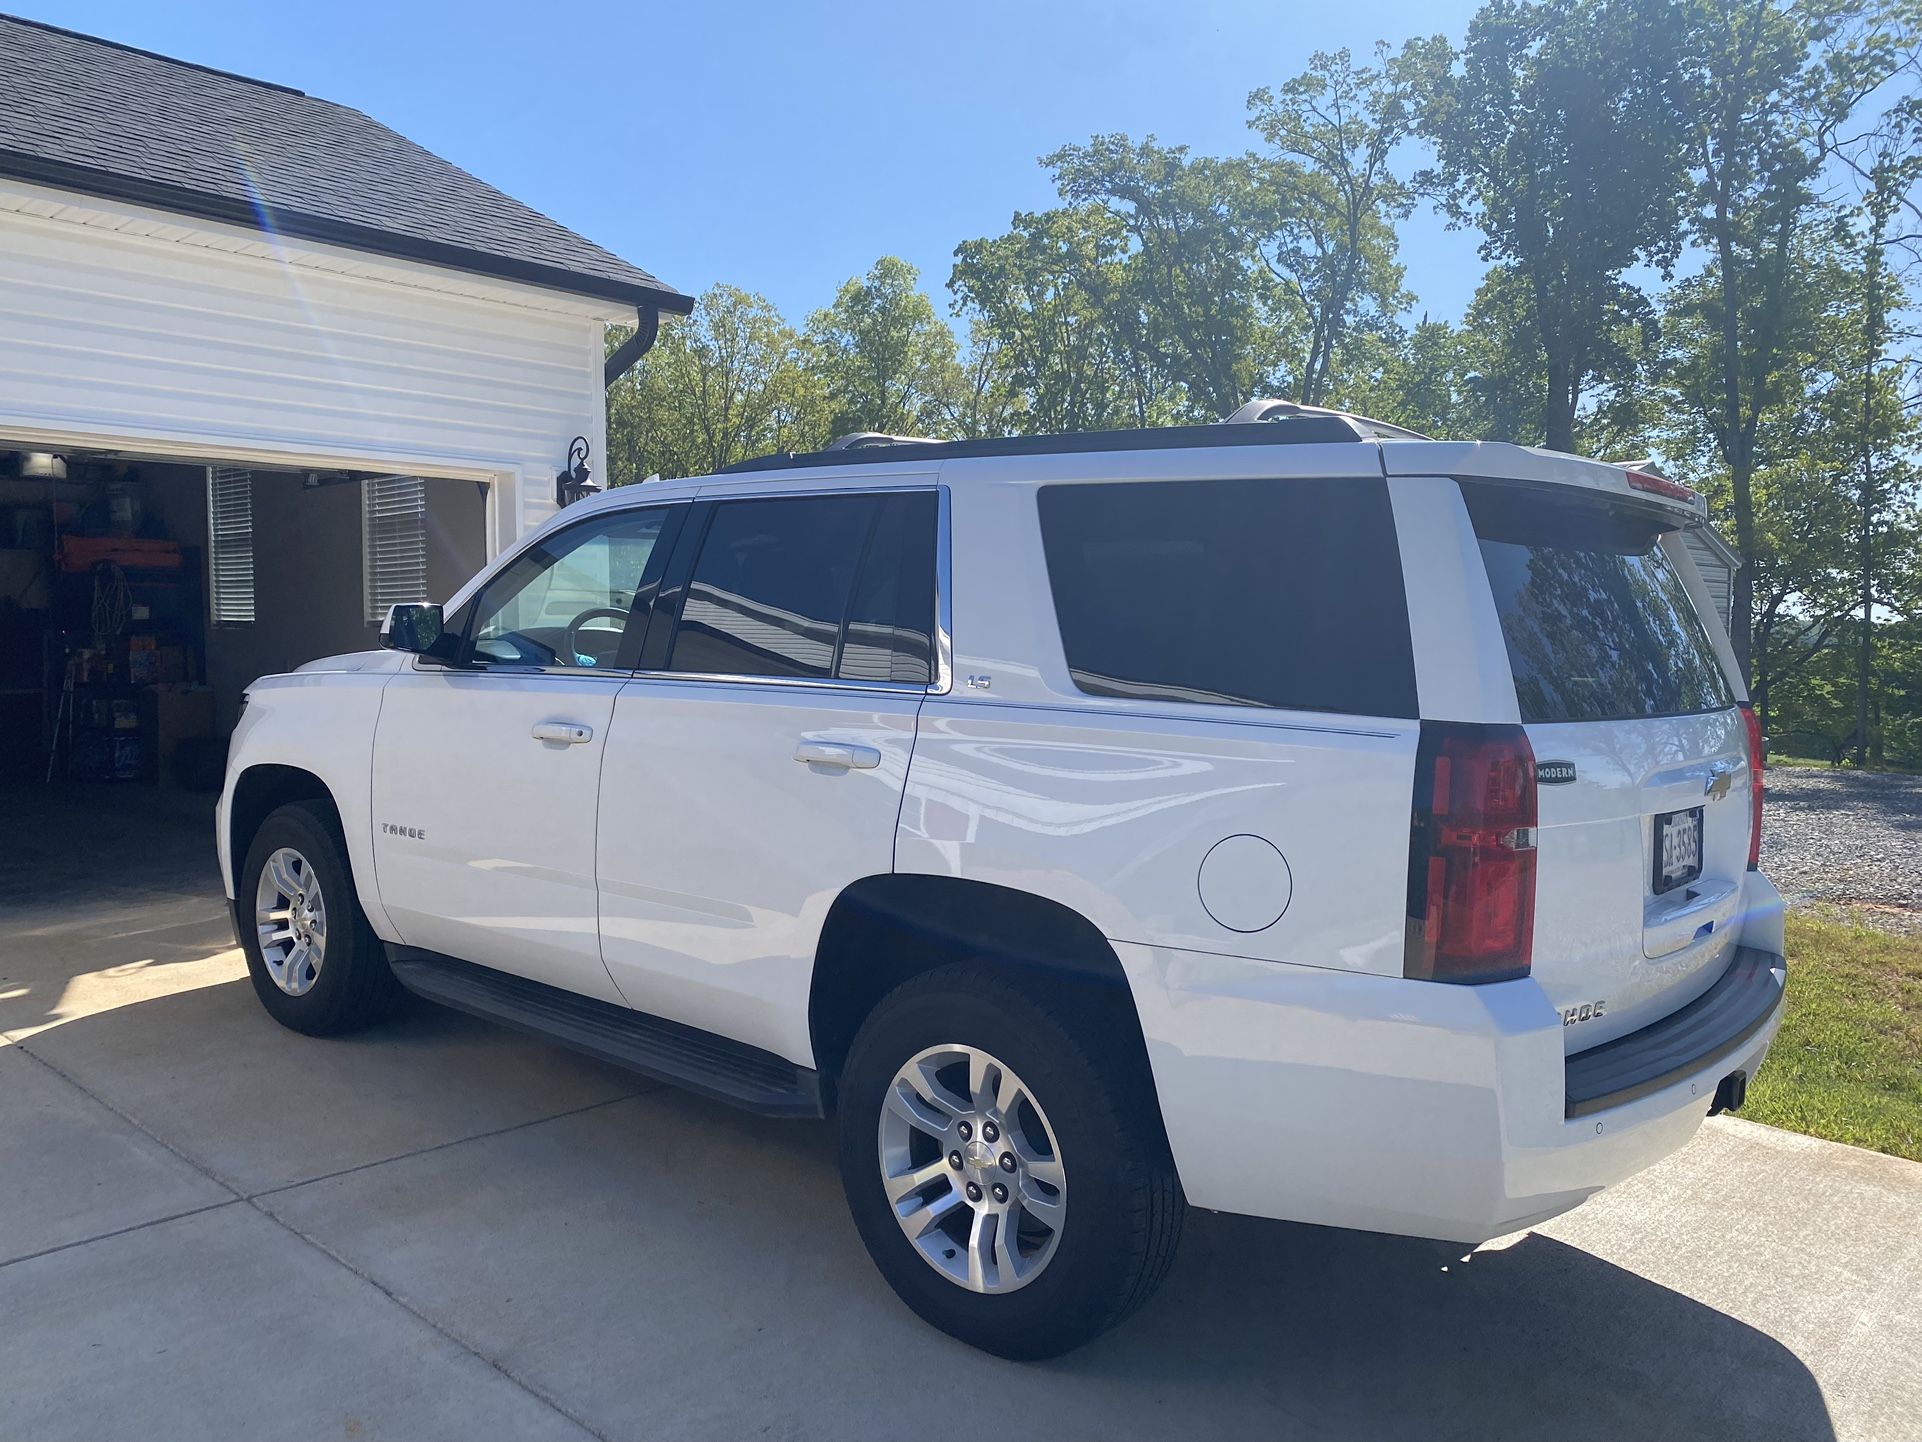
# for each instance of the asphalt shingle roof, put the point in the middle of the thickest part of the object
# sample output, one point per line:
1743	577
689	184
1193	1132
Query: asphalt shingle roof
105	119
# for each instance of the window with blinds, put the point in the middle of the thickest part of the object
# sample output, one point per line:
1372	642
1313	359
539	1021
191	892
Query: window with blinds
393	553
230	545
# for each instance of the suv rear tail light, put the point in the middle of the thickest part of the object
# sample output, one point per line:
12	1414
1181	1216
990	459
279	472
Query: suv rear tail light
1756	758
1471	854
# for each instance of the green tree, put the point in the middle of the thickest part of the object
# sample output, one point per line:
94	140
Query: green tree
1557	131
728	383
1328	201
1878	63
1418	378
1054	296
647	429
1759	94
1883	429
1505	384
887	360
1189	296
1506	376
1799	567
1749	400
979	397
1802	534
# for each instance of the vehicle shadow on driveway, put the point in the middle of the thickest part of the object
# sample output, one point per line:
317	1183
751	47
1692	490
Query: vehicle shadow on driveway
535	1207
1356	1335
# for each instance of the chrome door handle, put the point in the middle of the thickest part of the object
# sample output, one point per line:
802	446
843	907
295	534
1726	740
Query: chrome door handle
837	753
570	733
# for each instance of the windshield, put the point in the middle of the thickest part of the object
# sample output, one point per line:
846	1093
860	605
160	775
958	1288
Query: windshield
1597	622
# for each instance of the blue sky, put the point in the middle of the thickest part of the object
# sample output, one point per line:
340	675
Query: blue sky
783	147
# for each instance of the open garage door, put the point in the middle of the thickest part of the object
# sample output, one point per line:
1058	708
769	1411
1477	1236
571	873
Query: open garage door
139	597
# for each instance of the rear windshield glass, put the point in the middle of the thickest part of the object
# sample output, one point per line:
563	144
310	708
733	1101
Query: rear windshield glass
1597	622
1234	592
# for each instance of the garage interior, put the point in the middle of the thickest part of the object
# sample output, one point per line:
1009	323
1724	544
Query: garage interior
140	595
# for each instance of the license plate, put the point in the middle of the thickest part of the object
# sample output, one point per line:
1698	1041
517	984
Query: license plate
1678	849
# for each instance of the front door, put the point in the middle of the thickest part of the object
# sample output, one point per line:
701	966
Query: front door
755	766
486	773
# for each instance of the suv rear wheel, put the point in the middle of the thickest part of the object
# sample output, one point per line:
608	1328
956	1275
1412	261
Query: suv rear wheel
315	963
1014	1191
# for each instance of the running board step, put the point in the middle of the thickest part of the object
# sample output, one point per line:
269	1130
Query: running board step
668	1051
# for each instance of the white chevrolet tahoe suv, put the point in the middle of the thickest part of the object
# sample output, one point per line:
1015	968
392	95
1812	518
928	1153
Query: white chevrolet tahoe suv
1288	818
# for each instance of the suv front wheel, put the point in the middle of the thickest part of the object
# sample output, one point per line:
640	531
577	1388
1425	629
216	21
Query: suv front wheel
315	963
1014	1191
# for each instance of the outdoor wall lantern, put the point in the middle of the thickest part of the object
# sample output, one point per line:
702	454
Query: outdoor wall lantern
576	483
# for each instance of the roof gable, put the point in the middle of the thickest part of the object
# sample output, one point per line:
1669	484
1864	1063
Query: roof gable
105	119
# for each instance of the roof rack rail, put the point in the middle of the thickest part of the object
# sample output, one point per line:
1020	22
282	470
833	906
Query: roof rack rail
1268	408
868	440
1310	428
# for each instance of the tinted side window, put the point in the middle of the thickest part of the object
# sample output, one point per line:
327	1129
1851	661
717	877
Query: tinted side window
890	633
772	585
1243	592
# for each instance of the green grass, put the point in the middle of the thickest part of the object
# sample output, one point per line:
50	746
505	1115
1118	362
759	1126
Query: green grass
1847	1063
1779	762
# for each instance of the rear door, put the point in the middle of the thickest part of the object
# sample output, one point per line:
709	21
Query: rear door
755	768
1190	710
1641	754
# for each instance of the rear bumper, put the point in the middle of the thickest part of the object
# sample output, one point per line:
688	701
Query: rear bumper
1396	1106
1711	1029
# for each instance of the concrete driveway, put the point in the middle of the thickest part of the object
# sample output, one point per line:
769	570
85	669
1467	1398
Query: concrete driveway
210	1227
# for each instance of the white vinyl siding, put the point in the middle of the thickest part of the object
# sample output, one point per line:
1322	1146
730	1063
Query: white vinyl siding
125	324
1714	570
230	545
393	549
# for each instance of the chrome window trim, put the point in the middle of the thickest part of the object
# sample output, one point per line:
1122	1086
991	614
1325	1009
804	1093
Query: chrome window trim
569	673
943	681
812	683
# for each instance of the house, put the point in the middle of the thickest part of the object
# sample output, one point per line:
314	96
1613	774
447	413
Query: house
266	367
1718	563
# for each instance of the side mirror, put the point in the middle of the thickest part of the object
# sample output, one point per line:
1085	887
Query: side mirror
416	627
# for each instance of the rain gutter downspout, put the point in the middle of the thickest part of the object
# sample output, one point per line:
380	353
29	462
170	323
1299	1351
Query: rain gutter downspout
635	346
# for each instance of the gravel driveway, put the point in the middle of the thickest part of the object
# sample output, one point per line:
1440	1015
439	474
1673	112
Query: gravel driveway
1847	836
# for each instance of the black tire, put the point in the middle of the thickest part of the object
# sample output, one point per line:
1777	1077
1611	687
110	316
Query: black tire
353	986
1124	1210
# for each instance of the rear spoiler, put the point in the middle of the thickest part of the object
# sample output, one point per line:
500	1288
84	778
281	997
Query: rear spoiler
1639	481
1645	476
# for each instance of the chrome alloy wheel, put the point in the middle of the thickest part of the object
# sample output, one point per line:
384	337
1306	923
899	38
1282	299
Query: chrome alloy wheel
290	917
971	1169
